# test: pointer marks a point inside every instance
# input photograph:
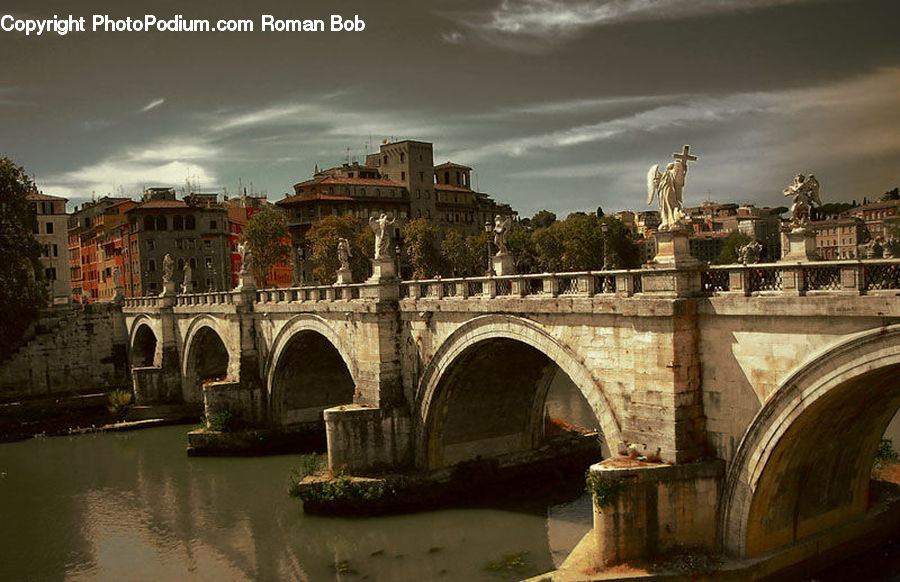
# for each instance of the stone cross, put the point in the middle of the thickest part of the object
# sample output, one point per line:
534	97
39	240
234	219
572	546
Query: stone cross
685	156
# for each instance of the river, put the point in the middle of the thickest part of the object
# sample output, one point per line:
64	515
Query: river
133	506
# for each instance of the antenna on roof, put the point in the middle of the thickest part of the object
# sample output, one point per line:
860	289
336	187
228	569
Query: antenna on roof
347	155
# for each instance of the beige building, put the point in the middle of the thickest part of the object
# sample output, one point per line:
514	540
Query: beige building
839	238
52	234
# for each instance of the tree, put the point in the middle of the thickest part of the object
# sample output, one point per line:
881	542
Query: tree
732	243
457	255
269	238
322	239
22	288
521	246
578	244
478	249
420	243
623	252
542	219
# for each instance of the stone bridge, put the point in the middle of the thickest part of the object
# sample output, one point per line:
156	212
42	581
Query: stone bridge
767	387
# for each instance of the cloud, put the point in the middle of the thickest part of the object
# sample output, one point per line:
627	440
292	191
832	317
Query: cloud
168	162
152	105
454	37
551	19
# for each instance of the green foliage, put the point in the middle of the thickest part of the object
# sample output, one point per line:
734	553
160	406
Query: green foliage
732	243
510	564
118	403
604	491
225	419
341	488
456	254
542	219
22	288
421	248
322	240
578	244
309	465
523	249
885	454
269	238
478	245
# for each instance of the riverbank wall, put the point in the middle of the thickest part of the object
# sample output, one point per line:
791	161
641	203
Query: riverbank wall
71	349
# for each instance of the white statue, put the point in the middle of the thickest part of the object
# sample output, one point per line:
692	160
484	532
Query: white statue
246	253
187	285
168	268
749	253
344	253
670	186
501	231
805	191
382	243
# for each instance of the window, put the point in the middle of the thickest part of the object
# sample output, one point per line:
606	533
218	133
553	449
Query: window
49	228
209	263
193	263
179	243
149	223
180	264
402	176
161	223
207	244
177	222
151	245
402	157
421	175
446	177
151	265
212	225
190	223
384	160
55	251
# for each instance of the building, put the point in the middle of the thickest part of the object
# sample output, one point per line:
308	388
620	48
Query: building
879	217
87	227
707	246
840	238
400	180
194	231
51	234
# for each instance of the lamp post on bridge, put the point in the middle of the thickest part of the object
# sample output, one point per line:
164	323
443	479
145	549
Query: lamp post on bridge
488	228
604	228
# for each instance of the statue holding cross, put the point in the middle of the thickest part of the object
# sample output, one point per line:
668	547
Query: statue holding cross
670	186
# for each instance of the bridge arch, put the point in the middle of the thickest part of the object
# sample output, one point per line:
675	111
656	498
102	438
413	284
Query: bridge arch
207	355
144	345
504	334
805	462
308	370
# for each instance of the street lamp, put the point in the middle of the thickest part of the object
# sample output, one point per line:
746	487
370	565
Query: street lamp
487	229
604	228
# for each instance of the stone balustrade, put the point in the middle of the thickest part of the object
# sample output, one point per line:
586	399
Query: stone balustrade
853	276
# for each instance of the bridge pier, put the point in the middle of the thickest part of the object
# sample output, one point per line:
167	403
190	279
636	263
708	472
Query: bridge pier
364	440
643	510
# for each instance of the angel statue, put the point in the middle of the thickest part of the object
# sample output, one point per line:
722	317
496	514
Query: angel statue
501	231
168	268
670	186
344	253
805	191
382	243
245	251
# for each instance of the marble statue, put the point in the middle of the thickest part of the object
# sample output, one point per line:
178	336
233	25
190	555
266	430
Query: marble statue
246	253
168	268
749	253
669	185
501	232
187	284
382	243
344	253
805	192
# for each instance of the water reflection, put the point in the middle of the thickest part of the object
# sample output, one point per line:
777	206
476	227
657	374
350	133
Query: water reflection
133	506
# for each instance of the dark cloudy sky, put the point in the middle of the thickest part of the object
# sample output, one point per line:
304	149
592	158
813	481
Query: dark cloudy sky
557	104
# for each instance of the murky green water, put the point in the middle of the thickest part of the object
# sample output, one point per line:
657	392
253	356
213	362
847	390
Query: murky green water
133	506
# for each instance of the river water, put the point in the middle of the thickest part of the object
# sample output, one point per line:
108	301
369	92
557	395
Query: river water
133	506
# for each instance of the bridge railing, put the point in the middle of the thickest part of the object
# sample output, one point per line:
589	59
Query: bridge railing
311	293
141	302
859	276
583	283
210	298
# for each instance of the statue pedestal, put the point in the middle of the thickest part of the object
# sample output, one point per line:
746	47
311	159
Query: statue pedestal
674	250
801	245
344	277
503	264
169	289
382	269
246	281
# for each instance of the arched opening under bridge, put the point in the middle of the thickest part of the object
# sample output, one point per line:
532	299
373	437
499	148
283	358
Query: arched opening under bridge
207	361
143	350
